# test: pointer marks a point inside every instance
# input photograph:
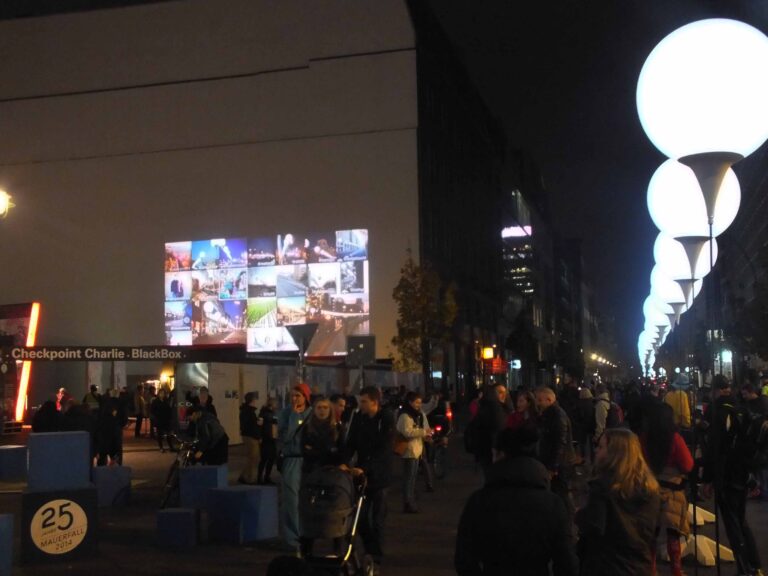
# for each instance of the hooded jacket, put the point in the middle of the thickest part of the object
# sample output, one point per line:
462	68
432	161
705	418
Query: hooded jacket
616	535
515	525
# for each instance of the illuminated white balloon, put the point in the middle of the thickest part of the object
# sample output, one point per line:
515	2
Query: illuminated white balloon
704	88
674	261
669	291
677	206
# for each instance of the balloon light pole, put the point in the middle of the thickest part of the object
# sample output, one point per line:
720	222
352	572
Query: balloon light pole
701	100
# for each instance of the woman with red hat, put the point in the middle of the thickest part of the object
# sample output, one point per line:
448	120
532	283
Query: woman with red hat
289	425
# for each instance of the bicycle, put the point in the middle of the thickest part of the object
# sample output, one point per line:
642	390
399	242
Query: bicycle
185	456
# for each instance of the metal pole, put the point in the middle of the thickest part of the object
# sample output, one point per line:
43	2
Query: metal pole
711	362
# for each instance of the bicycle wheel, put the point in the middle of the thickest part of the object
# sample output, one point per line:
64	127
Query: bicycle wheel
170	494
440	462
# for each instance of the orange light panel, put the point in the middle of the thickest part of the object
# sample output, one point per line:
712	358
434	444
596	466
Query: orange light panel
26	368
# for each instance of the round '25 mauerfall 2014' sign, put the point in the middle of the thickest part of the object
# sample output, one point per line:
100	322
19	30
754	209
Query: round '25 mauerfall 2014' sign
59	526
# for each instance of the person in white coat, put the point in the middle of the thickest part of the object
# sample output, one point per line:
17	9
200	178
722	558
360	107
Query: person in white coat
413	426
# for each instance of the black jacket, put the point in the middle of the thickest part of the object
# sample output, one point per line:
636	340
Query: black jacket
490	420
320	447
212	440
556	439
515	525
726	460
249	422
370	439
615	535
162	413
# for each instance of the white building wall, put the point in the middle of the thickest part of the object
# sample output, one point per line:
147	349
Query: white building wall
124	129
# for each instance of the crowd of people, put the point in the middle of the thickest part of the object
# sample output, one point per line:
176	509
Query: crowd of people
644	450
636	444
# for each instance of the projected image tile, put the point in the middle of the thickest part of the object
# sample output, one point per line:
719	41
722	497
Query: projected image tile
270	340
221	323
262	313
204	284
178	285
203	255
230	252
261	252
291	311
232	283
352	277
352	244
324	277
322	248
291	281
340	316
262	282
178	338
178	315
292	248
178	256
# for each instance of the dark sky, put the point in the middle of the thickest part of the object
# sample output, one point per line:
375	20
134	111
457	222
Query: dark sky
561	76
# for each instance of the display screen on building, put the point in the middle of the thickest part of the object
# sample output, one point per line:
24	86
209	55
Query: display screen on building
247	290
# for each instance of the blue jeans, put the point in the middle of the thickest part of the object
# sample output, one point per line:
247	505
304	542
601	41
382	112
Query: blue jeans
410	471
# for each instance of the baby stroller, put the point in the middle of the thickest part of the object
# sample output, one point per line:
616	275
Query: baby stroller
330	502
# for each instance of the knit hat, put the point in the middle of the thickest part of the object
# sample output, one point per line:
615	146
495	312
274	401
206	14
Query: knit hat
305	391
681	382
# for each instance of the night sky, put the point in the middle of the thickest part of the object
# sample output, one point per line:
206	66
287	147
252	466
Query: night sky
561	76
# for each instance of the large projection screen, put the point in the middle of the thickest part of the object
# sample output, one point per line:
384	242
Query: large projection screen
247	290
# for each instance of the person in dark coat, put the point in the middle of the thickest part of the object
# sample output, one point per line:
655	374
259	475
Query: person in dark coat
46	419
583	422
370	439
556	445
320	438
514	524
492	414
162	414
109	429
618	524
727	468
212	440
250	431
268	424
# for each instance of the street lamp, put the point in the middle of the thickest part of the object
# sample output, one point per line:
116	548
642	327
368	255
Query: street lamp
5	203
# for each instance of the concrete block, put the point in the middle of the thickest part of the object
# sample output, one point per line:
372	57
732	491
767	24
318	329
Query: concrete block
196	481
113	485
6	544
240	514
59	461
177	527
13	463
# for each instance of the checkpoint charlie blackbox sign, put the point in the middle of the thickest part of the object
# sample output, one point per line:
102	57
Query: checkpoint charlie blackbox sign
59	524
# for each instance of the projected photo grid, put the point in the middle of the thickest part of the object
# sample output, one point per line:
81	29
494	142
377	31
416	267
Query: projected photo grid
247	290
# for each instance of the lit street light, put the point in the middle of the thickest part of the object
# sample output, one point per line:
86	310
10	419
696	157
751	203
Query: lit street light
5	203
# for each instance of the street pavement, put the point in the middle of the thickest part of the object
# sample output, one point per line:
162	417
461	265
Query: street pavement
420	544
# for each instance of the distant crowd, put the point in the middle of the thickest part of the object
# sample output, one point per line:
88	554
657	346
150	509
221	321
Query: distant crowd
637	442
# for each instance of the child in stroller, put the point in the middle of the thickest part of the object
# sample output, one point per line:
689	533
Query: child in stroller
330	501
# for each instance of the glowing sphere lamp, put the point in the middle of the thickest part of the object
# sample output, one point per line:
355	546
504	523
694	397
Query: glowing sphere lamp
678	260
677	205
701	98
703	89
668	290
